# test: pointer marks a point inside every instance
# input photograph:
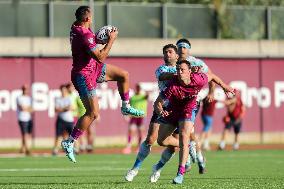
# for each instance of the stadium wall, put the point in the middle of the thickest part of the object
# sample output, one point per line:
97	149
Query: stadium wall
259	78
59	47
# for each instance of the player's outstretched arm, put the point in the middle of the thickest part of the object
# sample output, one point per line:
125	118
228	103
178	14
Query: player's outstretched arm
227	89
166	76
210	96
212	77
102	54
163	74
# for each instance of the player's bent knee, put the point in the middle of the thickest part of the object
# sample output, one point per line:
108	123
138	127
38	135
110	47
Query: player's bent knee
125	75
95	115
92	115
122	76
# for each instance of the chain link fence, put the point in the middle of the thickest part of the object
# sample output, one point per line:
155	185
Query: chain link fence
143	20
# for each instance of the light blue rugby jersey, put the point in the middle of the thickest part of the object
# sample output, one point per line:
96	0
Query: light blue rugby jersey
172	69
164	69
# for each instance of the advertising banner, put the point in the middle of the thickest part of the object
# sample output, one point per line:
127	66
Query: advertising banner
260	81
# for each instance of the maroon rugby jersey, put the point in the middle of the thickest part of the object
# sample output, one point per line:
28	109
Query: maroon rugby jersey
82	42
237	110
208	107
180	99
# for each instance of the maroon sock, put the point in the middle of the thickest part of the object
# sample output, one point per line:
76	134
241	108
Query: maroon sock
129	139
181	169
76	133
124	96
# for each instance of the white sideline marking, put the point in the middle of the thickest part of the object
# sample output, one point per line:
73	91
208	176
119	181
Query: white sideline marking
64	169
248	155
17	155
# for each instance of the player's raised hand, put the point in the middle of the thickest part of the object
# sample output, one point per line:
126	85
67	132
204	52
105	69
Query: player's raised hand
229	91
113	33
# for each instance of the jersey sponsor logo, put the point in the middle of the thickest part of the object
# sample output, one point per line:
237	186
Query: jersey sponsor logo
91	40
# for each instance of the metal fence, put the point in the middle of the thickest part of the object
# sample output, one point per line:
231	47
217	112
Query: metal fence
142	20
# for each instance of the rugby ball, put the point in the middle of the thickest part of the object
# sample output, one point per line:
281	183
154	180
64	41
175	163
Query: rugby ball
102	36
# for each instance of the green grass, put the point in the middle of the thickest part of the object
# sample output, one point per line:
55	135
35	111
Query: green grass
242	169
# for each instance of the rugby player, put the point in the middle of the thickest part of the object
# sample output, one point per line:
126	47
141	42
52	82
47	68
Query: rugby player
198	65
233	118
88	70
207	112
163	74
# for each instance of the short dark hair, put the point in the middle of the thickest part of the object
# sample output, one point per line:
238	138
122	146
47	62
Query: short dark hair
184	61
68	85
172	46
82	13
62	86
183	40
24	87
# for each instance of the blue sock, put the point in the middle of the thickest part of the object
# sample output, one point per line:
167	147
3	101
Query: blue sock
165	157
144	151
160	165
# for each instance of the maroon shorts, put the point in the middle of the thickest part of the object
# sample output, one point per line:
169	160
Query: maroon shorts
136	121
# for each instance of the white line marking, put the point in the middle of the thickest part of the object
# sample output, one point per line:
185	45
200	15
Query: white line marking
65	169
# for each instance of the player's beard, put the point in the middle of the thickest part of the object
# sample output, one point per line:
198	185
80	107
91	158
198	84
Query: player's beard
182	56
171	62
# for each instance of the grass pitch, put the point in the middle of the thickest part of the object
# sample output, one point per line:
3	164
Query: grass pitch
240	169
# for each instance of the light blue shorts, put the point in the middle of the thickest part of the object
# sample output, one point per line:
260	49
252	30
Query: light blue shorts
207	122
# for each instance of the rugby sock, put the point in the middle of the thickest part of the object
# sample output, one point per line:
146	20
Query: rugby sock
165	157
181	170
76	133
200	158
124	96
192	144
192	150
188	162
222	144
129	139
144	151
